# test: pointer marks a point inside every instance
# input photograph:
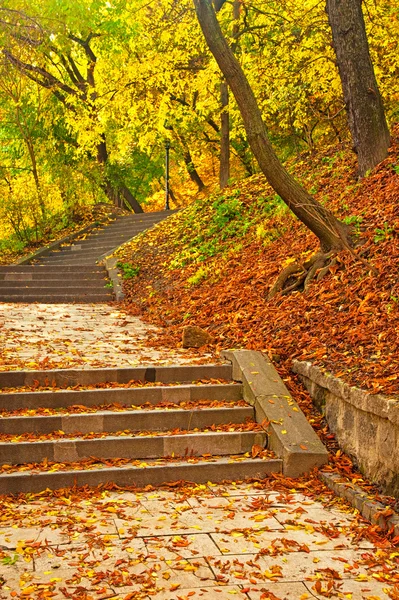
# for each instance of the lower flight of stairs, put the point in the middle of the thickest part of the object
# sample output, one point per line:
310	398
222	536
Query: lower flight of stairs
70	273
129	427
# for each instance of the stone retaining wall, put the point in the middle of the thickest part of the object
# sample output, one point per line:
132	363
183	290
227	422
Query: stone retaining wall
366	426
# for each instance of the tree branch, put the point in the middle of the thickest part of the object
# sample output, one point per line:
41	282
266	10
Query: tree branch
41	76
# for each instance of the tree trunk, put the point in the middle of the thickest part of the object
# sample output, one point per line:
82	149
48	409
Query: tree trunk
329	230
224	170
362	97
130	200
243	152
191	170
119	195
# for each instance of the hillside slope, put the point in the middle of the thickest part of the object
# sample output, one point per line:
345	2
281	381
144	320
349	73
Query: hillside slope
213	264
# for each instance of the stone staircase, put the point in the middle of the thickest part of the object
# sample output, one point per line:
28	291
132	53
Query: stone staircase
130	426
70	273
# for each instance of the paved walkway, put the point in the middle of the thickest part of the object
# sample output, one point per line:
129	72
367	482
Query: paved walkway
273	540
242	541
34	336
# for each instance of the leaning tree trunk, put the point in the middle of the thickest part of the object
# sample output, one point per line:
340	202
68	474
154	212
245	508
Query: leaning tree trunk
224	169
191	169
363	101
119	195
330	231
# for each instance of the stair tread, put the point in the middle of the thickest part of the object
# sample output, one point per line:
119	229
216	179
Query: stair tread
138	473
147	373
72	288
118	409
94	464
50	386
59	437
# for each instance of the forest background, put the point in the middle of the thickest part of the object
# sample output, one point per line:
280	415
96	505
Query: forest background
91	91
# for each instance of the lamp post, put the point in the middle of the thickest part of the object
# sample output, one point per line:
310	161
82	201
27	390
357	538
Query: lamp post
167	148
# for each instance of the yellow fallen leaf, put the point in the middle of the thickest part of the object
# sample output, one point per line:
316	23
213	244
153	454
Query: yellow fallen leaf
174	586
28	590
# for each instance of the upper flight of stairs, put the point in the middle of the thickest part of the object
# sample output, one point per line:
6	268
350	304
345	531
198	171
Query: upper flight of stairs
70	273
168	424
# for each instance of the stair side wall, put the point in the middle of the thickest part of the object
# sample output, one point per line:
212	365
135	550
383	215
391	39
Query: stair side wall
366	426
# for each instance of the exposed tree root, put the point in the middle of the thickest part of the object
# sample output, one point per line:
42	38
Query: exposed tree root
298	276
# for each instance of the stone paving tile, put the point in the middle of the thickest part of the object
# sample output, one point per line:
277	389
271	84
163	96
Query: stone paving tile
183	546
206	593
255	541
355	590
294	590
10	536
309	516
161	525
162	507
235	569
83	335
222	514
221	520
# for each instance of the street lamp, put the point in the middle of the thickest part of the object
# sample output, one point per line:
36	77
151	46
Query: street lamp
167	148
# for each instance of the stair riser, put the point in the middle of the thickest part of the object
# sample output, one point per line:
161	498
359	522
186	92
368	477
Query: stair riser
48	270
71	261
132	448
95	247
98	299
133	420
124	229
73	377
17	483
86	252
50	284
59	290
125	397
110	237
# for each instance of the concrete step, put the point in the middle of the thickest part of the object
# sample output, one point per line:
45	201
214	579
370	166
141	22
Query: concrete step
113	239
95	283
59	273
160	214
88	247
132	447
49	269
126	226
71	261
126	397
64	378
134	420
155	473
57	299
59	289
97	244
87	251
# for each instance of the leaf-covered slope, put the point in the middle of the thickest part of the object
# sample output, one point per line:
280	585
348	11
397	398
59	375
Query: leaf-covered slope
213	264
